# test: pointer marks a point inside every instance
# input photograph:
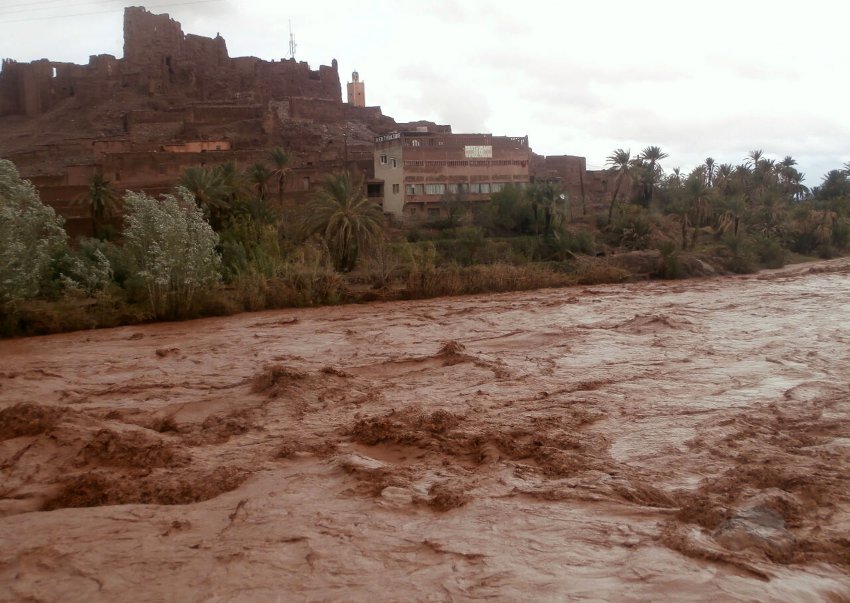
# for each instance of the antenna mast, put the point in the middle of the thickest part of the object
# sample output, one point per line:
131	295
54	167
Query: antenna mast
292	44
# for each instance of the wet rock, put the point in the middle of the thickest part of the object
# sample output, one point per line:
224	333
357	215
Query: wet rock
757	528
354	463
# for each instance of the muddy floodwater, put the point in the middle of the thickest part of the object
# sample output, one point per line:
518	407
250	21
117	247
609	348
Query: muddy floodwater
658	441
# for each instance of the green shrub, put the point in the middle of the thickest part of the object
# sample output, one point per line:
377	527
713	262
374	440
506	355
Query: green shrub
742	260
841	233
671	267
631	228
769	251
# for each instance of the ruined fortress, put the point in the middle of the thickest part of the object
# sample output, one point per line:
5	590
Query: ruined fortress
160	61
179	100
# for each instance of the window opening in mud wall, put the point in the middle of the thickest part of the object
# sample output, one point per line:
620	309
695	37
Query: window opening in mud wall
306	182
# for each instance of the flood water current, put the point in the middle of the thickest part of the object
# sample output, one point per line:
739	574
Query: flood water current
655	441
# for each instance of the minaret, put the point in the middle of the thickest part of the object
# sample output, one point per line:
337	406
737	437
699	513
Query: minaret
356	91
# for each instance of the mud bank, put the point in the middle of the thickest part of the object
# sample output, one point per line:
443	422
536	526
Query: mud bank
682	441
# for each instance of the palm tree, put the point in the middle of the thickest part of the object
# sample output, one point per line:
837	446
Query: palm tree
345	218
102	200
723	179
281	170
652	155
798	189
210	191
545	196
755	157
259	176
675	179
709	170
835	185
234	182
733	209
698	196
619	162
786	172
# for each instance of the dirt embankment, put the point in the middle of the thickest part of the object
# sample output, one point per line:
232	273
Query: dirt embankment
654	441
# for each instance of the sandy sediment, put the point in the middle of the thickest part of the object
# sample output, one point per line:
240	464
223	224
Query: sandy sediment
679	441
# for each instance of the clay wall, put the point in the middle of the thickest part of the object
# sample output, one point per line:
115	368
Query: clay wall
280	79
197	146
318	110
600	187
567	171
79	175
155	117
148	38
223	114
369	115
101	147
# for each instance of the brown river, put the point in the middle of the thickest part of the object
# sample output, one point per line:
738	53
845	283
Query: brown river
657	441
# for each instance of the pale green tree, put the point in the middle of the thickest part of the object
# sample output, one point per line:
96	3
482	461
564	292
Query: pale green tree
31	236
173	249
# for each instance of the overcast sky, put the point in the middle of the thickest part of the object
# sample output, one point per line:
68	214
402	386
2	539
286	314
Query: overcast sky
697	79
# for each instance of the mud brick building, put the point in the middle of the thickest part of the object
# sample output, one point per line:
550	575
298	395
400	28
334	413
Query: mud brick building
177	100
172	102
418	171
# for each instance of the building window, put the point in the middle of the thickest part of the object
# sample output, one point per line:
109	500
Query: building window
394	162
498	186
117	176
395	188
435	189
383	160
480	188
306	182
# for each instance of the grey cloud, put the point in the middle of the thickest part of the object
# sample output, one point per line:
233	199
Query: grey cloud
447	100
755	68
205	10
575	69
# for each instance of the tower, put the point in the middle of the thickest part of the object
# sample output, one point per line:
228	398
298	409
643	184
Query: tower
356	91
292	44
